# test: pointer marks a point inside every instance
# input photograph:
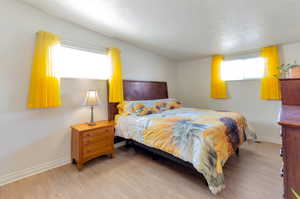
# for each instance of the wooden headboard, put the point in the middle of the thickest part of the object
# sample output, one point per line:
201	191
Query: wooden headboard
139	90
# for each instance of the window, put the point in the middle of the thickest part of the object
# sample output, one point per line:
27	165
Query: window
242	69
75	63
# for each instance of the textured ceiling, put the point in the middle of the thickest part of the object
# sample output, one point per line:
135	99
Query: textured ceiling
184	29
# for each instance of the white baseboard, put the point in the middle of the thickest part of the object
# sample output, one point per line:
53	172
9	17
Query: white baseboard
18	175
270	139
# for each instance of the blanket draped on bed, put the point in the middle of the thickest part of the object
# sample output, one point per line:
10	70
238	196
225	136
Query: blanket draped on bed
204	138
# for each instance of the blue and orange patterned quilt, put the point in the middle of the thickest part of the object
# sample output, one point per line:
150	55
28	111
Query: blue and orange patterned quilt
205	138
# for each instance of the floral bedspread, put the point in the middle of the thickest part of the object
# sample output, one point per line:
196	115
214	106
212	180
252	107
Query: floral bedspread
205	138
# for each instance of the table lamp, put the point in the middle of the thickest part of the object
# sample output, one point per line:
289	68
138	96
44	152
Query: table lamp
91	100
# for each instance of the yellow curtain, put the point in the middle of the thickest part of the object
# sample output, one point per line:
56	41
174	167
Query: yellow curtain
270	88
44	90
116	81
218	86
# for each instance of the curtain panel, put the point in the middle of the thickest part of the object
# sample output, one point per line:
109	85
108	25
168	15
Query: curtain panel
218	86
44	90
270	87
116	81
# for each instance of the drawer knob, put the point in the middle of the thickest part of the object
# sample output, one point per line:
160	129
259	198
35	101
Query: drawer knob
281	152
282	173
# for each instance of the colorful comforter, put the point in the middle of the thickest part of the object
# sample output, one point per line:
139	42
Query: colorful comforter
204	138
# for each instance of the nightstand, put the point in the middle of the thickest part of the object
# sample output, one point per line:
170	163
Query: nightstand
89	142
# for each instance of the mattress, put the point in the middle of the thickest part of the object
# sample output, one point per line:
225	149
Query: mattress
205	138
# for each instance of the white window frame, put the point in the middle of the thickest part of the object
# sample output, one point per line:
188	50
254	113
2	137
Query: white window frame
243	58
86	48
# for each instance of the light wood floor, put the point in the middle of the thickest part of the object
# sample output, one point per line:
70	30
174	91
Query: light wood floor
130	175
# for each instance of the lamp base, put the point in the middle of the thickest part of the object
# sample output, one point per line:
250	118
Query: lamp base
91	124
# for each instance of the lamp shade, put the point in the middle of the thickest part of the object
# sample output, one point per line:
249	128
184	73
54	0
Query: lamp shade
91	98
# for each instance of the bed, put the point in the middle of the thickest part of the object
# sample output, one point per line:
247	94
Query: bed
200	139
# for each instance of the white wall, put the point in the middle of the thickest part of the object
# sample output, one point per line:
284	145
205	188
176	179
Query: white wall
37	139
194	90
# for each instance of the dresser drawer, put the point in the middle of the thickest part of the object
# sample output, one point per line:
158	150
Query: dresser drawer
103	132
291	158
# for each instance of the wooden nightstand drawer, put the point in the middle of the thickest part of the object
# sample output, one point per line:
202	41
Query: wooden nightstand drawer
97	139
98	132
89	153
97	149
89	142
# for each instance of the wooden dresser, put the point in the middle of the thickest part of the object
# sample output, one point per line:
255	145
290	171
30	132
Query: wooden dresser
290	123
89	142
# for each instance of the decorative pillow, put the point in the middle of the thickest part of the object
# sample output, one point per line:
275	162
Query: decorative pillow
141	109
121	108
161	106
174	104
145	107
